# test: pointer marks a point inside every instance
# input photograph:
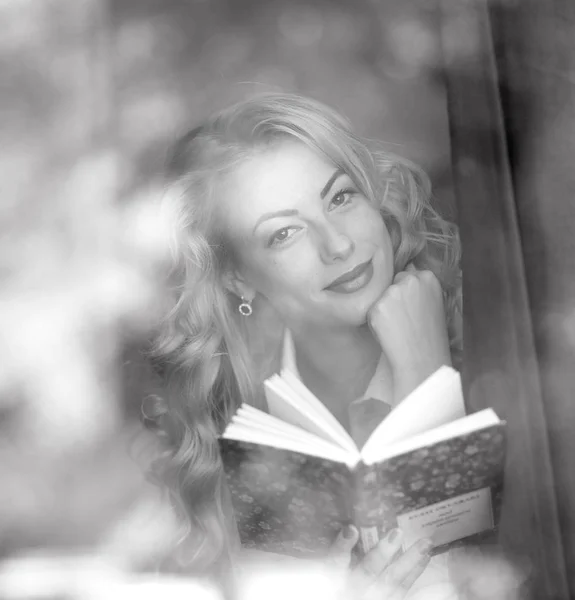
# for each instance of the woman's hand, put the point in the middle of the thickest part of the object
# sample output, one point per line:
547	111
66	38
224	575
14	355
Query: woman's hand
381	574
409	323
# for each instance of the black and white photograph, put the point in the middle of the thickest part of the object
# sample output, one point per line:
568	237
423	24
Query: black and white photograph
287	299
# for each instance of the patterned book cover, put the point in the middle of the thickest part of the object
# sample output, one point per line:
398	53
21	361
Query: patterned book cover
286	502
295	504
450	491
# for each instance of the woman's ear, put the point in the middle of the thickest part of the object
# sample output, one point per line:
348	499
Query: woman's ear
236	284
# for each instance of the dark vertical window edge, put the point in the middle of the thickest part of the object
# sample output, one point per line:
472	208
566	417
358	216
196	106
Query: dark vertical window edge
500	362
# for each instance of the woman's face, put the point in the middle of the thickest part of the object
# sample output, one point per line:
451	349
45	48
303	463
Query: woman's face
303	236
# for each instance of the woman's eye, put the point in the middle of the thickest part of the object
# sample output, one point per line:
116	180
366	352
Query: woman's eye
281	235
342	198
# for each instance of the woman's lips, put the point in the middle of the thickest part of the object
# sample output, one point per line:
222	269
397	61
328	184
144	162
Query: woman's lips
353	280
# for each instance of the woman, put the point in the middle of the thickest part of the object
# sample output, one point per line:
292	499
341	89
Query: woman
292	241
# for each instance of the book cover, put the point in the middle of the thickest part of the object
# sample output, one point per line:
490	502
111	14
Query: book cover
450	491
292	503
284	501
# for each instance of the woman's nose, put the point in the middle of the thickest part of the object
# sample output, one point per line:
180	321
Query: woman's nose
335	244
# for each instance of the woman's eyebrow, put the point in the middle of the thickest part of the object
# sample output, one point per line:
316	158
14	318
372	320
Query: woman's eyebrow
291	212
288	212
330	182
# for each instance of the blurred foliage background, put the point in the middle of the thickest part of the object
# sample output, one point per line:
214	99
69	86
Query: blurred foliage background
377	62
94	92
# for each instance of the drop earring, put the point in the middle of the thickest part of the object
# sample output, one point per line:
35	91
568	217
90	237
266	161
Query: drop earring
245	308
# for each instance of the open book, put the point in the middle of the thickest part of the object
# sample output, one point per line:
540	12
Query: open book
297	478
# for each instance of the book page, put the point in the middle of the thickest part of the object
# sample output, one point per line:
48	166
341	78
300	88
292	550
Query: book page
475	422
290	400
438	400
257	427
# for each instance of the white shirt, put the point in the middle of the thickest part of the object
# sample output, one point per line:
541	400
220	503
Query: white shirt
434	583
375	389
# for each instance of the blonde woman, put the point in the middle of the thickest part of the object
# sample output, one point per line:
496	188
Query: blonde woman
293	241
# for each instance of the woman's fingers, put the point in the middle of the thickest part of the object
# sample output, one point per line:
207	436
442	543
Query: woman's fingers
409	270
409	323
339	555
374	563
383	575
403	572
402	276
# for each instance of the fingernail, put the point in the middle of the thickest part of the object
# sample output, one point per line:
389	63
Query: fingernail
393	535
424	546
348	532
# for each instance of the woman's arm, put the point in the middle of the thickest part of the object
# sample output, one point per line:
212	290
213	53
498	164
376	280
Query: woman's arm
409	323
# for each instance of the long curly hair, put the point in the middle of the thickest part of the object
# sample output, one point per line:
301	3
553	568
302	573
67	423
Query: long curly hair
208	357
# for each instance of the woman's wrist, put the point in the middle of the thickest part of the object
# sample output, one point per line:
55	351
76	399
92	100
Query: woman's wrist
409	375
